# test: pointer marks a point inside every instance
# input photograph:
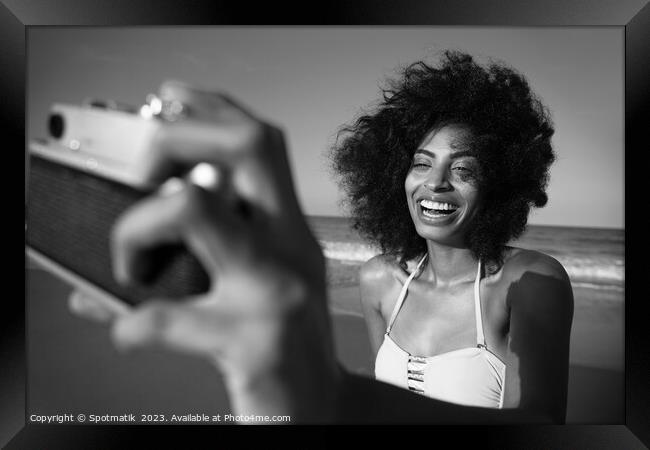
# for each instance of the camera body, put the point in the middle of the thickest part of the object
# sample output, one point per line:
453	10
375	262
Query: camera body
99	139
81	179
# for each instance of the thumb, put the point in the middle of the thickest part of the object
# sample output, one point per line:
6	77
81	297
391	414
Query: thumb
185	325
92	307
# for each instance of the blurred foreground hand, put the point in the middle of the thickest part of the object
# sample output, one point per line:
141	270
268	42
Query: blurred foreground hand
264	321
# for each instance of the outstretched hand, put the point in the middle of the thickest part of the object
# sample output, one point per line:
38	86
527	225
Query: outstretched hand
264	320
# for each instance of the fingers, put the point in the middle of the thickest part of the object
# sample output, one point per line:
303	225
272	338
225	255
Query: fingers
91	308
191	215
177	147
82	306
250	153
189	328
216	130
201	103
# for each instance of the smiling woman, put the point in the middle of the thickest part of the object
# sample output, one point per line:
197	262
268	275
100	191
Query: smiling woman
440	212
441	177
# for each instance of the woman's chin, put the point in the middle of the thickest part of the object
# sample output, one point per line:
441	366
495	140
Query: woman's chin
447	236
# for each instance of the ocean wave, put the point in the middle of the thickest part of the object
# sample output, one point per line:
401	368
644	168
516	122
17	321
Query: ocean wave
600	286
350	252
596	269
584	269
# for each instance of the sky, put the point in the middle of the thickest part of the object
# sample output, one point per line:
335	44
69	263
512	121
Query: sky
313	80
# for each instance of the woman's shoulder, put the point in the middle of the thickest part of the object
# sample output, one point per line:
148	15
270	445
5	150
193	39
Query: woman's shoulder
380	275
520	261
533	274
381	268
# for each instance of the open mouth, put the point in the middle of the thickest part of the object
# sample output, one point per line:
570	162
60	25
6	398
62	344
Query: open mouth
436	209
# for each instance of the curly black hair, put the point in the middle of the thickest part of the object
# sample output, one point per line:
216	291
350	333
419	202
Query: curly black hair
510	133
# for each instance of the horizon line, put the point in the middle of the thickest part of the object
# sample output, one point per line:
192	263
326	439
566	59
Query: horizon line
529	224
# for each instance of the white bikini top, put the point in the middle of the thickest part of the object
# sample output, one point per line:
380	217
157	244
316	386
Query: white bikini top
470	376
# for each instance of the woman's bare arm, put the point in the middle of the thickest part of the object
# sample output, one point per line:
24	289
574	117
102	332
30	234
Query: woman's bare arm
540	300
375	284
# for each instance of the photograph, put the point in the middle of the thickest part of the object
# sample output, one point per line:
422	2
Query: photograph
433	209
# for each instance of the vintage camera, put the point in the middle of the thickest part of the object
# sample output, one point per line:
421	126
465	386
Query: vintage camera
81	178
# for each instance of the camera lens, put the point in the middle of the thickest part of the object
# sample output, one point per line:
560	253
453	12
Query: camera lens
56	125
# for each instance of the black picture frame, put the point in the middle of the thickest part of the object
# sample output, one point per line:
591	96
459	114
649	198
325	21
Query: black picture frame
632	15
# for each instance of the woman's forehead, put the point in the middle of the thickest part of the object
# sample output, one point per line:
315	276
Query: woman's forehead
454	136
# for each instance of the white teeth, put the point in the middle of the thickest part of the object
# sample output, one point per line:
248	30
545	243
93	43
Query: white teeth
429	204
430	213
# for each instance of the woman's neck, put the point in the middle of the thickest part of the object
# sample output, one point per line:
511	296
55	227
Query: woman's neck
449	265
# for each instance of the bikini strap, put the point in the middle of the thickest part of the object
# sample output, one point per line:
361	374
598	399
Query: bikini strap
480	336
402	294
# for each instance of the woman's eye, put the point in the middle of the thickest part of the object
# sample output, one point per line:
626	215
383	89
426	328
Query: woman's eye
463	173
420	164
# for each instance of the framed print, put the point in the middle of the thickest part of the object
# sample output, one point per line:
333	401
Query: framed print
314	73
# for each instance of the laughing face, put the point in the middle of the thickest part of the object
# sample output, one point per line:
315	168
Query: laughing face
442	186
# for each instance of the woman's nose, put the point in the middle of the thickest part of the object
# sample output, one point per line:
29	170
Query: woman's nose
438	181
